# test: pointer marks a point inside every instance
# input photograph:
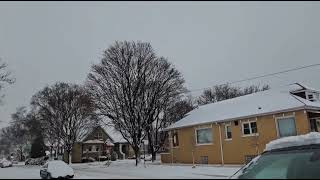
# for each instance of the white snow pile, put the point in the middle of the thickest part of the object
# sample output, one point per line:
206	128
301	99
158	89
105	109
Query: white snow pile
307	139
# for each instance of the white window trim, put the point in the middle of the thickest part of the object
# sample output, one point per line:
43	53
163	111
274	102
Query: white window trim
251	134
196	139
225	130
284	117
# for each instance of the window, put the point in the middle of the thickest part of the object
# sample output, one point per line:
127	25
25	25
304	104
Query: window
175	139
204	159
287	126
98	135
97	149
249	128
228	131
204	136
90	148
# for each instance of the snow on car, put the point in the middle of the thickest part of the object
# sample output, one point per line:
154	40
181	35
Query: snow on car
295	157
5	163
311	138
56	169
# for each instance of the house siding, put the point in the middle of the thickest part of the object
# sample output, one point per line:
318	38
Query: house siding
235	150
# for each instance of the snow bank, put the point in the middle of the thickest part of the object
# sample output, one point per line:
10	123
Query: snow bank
311	138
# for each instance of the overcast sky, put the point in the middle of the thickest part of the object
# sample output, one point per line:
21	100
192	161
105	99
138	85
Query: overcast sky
209	42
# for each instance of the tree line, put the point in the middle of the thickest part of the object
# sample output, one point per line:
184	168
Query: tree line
132	89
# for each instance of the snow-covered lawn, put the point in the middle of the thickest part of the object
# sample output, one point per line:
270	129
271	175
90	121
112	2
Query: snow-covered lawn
126	169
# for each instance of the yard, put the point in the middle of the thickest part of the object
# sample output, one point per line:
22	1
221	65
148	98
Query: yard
126	169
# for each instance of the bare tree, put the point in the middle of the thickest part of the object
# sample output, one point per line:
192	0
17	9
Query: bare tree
172	112
225	91
5	77
131	87
17	132
66	111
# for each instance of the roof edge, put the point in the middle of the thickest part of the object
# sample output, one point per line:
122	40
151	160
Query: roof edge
243	117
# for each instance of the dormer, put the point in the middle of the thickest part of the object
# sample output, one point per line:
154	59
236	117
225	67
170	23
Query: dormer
304	92
312	96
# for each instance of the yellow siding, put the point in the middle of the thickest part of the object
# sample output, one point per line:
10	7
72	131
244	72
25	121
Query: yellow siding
236	149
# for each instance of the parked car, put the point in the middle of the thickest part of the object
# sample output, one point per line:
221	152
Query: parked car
296	157
85	159
56	169
5	163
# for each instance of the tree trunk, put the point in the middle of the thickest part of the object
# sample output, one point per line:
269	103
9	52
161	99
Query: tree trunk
21	154
51	152
151	147
137	154
154	156
70	157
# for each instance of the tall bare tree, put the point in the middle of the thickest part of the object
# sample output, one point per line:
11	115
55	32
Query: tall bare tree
66	111
132	86
226	91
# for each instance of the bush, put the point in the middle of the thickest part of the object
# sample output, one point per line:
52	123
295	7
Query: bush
37	161
114	156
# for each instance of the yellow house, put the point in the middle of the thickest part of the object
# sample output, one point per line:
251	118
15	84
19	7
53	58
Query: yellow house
236	130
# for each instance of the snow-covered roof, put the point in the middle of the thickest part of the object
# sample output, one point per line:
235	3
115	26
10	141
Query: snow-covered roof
115	135
307	139
95	141
252	105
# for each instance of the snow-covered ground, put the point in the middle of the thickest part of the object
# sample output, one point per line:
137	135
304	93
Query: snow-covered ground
126	169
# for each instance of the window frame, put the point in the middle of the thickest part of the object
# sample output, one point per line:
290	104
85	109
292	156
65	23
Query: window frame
250	128
285	117
226	131
196	136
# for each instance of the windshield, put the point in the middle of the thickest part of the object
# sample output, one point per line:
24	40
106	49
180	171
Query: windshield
297	164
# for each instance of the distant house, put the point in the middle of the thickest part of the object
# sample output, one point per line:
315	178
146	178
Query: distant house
100	141
235	130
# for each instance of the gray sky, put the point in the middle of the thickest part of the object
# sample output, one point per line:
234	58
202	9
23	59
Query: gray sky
209	42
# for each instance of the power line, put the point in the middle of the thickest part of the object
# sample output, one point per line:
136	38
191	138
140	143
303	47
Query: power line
261	76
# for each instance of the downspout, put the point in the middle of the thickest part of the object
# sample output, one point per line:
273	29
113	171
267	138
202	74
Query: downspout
221	148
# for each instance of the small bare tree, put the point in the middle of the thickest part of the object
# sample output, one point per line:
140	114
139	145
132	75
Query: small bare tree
5	77
172	111
66	111
225	91
131	86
